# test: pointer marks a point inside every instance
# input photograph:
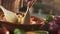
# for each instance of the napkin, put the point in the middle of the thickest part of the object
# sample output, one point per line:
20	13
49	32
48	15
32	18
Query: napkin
9	15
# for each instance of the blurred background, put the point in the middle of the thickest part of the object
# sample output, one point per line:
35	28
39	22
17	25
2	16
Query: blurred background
40	9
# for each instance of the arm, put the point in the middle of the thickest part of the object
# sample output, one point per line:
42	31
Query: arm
30	3
34	1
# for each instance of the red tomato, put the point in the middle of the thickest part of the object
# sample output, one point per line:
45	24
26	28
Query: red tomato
59	31
4	31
